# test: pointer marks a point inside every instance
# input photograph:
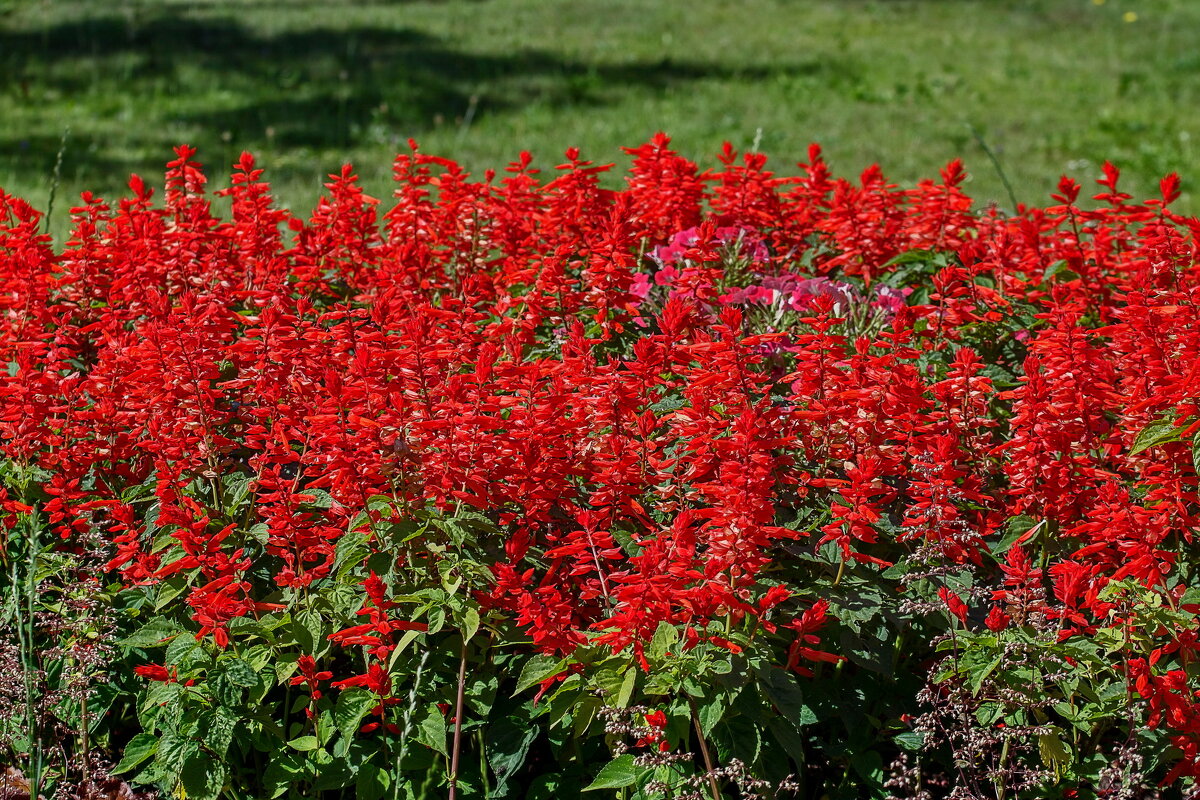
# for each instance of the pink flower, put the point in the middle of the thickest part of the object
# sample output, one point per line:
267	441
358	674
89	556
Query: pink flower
672	252
890	300
808	290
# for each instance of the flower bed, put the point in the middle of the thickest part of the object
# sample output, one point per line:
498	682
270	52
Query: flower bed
722	484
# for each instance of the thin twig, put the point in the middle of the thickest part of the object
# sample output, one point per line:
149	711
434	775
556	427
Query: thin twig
1012	196
406	731
468	117
54	181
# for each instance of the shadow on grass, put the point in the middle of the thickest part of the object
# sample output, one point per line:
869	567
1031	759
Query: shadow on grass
215	81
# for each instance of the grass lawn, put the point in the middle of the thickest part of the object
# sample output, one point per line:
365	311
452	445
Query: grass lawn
1052	86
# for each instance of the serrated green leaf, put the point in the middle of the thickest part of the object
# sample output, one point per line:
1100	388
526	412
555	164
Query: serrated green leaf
625	695
225	690
470	623
785	694
1053	752
155	633
372	782
665	637
1014	529
216	730
436	618
168	590
408	638
432	729
140	747
537	669
181	651
304	743
978	677
1154	434
173	751
1060	272
989	714
617	774
506	745
352	707
309	631
710	713
202	777
240	673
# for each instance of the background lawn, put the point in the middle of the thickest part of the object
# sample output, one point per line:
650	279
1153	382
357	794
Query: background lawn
1052	86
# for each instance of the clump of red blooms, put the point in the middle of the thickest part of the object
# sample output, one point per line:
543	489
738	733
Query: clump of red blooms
641	387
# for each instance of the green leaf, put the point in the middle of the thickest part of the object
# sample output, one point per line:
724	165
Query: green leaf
537	669
309	632
617	774
665	637
470	624
584	713
787	738
432	729
202	777
668	404
408	638
740	737
869	764
216	729
627	687
506	745
350	552
979	676
373	782
321	498
182	652
710	713
169	589
304	743
241	674
353	705
140	747
1014	529
1154	434
155	633
284	770
173	752
1059	270
237	491
437	618
784	692
224	689
1053	752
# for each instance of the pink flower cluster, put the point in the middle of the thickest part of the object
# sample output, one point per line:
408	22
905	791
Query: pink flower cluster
785	292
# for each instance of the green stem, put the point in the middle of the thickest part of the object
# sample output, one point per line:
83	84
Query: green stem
26	632
458	716
1000	788
483	768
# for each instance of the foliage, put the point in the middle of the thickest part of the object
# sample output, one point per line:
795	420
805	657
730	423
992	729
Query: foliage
721	484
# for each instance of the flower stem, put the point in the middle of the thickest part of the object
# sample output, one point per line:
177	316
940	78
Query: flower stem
708	762
458	715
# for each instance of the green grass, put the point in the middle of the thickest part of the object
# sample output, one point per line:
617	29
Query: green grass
1053	86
